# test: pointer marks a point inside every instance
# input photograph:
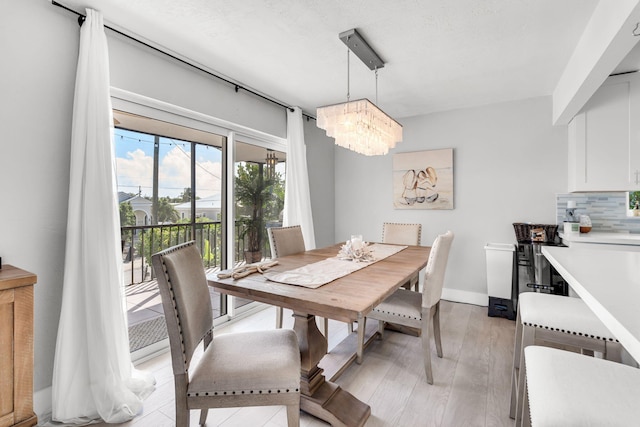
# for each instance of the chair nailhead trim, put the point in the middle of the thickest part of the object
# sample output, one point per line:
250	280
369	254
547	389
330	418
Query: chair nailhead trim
397	314
549	328
234	392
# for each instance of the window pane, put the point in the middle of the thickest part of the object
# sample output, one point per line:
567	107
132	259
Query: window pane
259	197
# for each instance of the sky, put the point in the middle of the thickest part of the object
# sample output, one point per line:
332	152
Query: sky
134	164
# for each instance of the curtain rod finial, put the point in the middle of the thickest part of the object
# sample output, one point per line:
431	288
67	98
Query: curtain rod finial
81	19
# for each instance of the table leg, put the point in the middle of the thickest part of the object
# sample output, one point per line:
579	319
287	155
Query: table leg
319	397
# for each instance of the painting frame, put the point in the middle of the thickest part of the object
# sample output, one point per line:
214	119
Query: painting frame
423	180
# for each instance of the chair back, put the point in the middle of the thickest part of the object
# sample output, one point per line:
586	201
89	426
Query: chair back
285	240
401	234
185	300
436	267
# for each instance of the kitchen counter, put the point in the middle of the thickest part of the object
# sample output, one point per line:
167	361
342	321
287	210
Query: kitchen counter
609	283
602	238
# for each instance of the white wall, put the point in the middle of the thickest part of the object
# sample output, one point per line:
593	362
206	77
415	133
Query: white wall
146	72
320	154
39	45
509	161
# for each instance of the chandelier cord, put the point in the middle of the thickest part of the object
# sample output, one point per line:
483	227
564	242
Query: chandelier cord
376	71
348	77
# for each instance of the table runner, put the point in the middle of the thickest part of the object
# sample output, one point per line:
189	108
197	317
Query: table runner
322	272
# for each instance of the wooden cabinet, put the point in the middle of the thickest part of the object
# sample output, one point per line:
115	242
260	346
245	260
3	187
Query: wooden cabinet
16	347
604	138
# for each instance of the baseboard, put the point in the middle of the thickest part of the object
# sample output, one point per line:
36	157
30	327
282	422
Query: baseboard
466	297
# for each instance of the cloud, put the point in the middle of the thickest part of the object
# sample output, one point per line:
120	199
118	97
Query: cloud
173	177
135	170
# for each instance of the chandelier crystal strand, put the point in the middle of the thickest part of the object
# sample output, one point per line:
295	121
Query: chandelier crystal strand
360	126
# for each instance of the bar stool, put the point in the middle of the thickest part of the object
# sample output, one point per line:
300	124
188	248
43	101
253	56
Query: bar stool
560	320
568	389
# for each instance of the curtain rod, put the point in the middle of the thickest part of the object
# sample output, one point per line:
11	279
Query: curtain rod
237	86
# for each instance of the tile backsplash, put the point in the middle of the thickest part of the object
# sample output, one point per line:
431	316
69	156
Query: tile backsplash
608	211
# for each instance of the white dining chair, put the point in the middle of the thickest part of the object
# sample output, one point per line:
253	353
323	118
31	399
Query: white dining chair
288	241
257	368
555	320
565	388
415	309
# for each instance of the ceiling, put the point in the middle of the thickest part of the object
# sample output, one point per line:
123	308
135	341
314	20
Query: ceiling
439	54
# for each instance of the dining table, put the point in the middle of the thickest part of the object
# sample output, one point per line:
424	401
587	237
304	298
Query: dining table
348	298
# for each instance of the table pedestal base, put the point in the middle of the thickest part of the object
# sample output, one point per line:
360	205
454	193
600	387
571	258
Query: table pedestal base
318	396
336	406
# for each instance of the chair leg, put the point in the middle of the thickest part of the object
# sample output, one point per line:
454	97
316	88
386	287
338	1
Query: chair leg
279	314
426	342
182	412
326	327
526	416
362	323
436	329
381	328
350	327
203	416
517	349
528	338
293	415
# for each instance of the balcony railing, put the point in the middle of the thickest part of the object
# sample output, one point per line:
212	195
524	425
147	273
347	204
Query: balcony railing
140	242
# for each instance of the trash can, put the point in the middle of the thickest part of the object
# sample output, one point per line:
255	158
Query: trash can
501	279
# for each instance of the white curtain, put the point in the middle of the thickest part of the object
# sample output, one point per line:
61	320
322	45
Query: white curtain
297	199
93	375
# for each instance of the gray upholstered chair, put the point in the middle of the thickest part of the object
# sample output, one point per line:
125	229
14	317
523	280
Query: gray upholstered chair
403	234
288	241
419	310
241	369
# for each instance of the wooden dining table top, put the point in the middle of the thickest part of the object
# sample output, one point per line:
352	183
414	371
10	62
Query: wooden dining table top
346	299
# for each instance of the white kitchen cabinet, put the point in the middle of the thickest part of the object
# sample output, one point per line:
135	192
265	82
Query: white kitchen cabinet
604	138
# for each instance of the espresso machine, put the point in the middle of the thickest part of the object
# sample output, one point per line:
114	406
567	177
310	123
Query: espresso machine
535	273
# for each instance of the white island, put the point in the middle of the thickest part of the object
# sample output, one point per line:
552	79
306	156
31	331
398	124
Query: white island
609	283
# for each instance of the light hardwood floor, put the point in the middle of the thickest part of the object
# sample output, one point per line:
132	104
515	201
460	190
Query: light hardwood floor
471	381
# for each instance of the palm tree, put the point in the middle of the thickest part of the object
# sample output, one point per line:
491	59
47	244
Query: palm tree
253	191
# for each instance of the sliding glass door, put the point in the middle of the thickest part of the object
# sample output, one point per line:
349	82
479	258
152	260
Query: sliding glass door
185	176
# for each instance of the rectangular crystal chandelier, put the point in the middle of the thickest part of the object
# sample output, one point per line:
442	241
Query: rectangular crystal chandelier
360	126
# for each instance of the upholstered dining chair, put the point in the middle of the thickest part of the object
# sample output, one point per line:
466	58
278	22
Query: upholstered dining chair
288	241
419	310
403	234
564	388
398	233
257	368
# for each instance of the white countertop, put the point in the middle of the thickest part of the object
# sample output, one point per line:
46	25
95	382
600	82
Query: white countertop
609	283
602	237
